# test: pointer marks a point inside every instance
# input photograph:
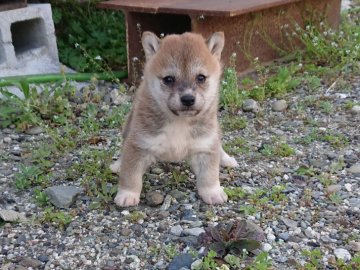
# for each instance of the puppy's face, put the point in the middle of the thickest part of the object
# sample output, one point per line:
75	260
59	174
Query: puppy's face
183	71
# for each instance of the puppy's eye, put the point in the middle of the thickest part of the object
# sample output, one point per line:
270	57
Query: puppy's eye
169	80
200	78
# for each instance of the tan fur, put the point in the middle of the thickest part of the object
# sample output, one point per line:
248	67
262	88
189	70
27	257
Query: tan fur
161	128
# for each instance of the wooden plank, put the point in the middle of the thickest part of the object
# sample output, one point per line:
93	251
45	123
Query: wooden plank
226	8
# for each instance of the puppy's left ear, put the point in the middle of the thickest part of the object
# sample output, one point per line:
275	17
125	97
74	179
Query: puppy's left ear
216	43
151	44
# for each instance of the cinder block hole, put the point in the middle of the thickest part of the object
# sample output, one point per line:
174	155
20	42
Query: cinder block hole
28	35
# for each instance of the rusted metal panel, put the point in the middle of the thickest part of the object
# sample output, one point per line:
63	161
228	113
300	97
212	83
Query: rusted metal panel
12	4
258	29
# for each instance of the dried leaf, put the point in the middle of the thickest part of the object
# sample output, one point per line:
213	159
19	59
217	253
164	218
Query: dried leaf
216	235
219	248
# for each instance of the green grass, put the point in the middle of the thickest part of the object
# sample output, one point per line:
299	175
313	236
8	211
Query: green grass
236	146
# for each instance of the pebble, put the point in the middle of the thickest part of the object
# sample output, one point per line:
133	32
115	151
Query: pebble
284	236
43	258
196	264
176	230
266	247
250	105
354	169
270	237
126	232
309	232
154	198
333	188
343	254
355	109
289	223
348	187
7	140
279	105
354	246
30	262
34	130
157	170
63	196
182	260
12	216
193	231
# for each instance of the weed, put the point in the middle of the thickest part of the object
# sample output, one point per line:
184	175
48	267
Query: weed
335	198
235	193
171	251
236	146
261	262
231	97
278	149
308	171
104	195
41	197
57	218
29	176
325	179
135	216
117	116
326	107
233	123
283	82
208	262
248	210
178	178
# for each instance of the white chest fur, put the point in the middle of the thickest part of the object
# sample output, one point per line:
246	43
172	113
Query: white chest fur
175	142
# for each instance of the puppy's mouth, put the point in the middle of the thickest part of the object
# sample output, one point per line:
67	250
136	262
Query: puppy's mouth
186	113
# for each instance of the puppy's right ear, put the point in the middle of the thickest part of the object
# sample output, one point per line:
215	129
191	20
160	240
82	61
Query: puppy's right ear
151	44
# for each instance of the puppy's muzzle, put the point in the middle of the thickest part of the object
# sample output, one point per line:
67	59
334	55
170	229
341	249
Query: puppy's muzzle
187	100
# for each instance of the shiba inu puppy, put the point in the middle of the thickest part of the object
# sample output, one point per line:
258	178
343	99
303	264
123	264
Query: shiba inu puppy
174	115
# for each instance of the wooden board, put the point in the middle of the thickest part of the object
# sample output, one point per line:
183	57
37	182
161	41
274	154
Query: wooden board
225	8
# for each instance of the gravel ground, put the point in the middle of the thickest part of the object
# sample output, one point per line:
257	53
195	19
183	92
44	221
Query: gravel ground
317	205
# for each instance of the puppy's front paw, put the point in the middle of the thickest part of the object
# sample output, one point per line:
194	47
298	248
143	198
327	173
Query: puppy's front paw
127	198
214	195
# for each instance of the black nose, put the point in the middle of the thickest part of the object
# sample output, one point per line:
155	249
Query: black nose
187	100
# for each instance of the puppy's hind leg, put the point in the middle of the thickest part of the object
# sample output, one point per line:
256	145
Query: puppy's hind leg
226	160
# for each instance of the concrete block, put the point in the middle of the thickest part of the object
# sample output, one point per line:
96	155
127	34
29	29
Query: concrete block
27	41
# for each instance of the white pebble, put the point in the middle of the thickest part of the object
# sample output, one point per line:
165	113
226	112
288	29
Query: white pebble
125	212
266	247
348	187
270	237
343	254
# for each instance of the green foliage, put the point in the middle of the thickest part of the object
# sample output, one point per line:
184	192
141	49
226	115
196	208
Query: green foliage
283	82
233	122
208	261
236	146
135	216
261	262
117	116
236	193
277	149
335	139
104	195
57	218
231	97
29	176
41	197
89	38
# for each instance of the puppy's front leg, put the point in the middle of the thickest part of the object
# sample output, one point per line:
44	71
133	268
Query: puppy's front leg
134	163
206	169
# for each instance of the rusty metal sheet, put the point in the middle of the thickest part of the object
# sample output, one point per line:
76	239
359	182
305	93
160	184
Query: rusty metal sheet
12	4
224	8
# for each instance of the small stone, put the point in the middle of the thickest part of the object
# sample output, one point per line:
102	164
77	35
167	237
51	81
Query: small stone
12	216
43	258
30	262
157	170
196	265
333	188
176	230
178	195
343	254
117	98
355	109
34	130
126	232
309	232
270	237
7	140
167	203
154	198
354	246
348	187
63	196
289	223
266	247
250	105
183	260
193	231
279	105
354	169
284	236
